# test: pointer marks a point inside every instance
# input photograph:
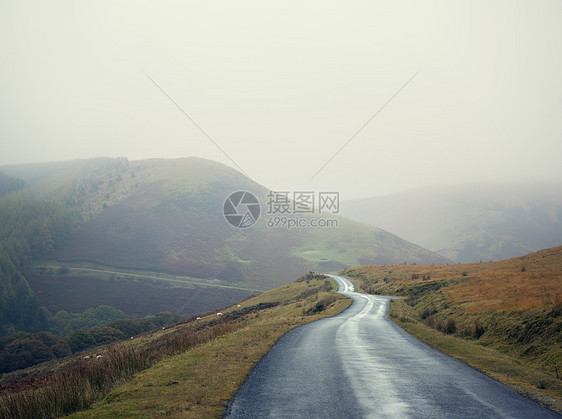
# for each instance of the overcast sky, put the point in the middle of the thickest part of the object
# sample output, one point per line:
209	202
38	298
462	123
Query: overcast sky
281	86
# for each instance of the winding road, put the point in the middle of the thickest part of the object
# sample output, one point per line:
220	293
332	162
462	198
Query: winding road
359	364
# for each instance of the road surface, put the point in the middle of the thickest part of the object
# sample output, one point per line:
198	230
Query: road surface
360	364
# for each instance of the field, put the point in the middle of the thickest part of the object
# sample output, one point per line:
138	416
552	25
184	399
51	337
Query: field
137	295
189	369
488	314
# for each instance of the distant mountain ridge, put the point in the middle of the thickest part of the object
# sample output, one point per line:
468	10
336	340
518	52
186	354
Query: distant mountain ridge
469	223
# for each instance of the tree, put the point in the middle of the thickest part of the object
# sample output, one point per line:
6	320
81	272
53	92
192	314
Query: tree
127	326
106	334
22	353
80	340
164	318
29	230
9	184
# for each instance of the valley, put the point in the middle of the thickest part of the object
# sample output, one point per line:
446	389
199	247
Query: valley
470	222
280	209
145	244
157	227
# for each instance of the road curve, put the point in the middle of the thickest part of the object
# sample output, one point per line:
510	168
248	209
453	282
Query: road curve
360	364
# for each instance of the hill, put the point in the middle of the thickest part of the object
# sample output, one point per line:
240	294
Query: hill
188	369
498	316
165	217
470	223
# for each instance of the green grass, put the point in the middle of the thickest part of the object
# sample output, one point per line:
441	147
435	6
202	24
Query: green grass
310	254
186	370
199	382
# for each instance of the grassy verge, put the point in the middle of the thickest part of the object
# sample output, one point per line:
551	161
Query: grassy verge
503	318
189	370
525	379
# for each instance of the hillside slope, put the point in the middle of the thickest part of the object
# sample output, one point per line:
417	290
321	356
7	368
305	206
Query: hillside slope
512	307
171	219
188	369
166	216
470	223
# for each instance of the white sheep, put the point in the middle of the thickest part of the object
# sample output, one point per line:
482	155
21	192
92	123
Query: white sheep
219	314
99	356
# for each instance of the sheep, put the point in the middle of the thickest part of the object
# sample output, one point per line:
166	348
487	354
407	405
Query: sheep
87	357
99	356
198	318
219	314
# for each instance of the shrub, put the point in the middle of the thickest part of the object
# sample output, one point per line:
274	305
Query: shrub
412	300
478	330
426	312
451	326
165	318
22	350
104	335
22	353
129	327
80	340
431	322
310	276
320	306
64	323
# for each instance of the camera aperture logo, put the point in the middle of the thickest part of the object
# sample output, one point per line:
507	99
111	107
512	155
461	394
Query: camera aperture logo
299	209
241	209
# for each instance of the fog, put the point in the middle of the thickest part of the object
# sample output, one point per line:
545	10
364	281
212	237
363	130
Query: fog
279	87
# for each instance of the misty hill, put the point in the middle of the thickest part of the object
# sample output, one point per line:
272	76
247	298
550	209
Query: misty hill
472	222
166	217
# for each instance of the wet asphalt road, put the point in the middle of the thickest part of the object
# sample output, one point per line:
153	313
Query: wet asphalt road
360	364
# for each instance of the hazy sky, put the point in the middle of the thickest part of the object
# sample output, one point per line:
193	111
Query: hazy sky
281	86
